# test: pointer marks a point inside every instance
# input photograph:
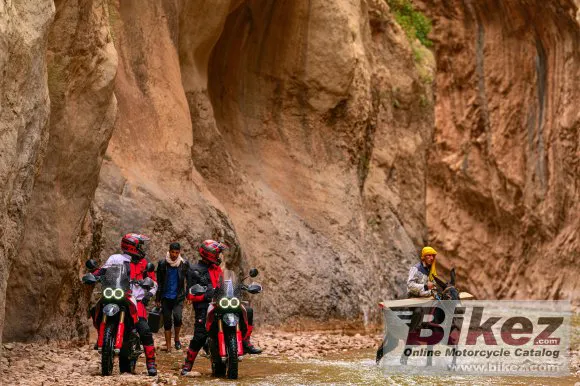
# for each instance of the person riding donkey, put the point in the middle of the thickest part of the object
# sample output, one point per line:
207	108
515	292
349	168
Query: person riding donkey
422	275
421	283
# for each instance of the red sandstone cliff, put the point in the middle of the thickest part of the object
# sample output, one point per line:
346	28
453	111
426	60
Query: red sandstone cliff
307	134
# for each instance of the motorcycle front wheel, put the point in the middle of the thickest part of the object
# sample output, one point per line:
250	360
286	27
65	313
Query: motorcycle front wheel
232	351
108	353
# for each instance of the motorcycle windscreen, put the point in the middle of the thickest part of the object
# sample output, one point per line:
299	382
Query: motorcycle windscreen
229	285
116	276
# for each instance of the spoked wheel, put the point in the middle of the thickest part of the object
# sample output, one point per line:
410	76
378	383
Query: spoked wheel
108	354
218	368
232	351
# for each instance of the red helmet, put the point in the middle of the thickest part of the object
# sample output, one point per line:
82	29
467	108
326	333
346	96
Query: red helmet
210	250
135	245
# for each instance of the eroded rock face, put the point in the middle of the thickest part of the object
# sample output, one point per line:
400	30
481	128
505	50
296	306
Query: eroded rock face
43	289
254	125
298	132
24	112
503	195
310	129
149	183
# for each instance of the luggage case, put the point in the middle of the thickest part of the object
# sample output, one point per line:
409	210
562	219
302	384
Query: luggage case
155	319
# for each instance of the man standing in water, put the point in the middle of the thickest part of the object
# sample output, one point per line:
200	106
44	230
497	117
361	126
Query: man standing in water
420	281
172	274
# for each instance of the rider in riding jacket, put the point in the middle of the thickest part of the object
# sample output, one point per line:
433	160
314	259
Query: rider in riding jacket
420	281
134	247
209	274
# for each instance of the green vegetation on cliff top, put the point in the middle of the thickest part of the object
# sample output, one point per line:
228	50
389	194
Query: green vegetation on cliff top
414	23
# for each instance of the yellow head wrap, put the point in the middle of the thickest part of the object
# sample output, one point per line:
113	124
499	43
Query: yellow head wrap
430	251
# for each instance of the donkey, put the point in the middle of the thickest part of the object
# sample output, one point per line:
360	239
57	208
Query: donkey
396	331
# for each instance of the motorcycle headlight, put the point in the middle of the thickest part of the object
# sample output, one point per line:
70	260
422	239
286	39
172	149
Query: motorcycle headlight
231	319
108	293
224	302
118	294
234	302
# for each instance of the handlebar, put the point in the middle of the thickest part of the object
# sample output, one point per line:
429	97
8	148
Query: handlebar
251	288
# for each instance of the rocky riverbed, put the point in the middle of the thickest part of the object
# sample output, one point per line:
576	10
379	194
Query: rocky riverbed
288	358
64	364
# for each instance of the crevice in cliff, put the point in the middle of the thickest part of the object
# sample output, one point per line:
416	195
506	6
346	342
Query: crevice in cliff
483	123
541	84
367	140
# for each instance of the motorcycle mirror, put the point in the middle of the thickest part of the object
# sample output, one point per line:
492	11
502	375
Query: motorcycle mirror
89	278
91	265
147	283
150	267
197	290
254	272
254	288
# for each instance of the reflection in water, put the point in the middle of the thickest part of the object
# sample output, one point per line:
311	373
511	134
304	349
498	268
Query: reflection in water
357	368
354	367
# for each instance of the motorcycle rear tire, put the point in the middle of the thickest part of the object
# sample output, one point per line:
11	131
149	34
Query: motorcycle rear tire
218	368
128	356
126	364
232	352
108	353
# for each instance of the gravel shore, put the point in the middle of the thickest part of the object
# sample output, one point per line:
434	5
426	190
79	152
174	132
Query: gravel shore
64	364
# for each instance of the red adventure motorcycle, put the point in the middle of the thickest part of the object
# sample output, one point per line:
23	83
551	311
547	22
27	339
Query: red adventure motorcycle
226	318
115	316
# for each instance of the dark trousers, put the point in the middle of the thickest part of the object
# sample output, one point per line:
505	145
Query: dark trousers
144	332
250	313
199	332
172	313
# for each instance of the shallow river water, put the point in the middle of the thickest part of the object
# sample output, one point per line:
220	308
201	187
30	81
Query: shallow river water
356	368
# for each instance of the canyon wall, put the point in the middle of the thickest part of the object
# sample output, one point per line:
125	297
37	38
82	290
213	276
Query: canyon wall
24	114
503	198
245	121
43	287
305	134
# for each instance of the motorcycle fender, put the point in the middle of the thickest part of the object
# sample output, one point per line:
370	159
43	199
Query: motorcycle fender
111	309
101	334
221	344
239	339
120	333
